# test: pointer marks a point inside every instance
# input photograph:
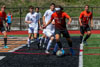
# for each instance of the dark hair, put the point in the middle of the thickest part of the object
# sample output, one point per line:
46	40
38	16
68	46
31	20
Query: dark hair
52	4
3	6
58	6
86	5
37	7
31	7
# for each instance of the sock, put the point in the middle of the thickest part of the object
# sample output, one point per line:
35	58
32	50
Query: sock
59	44
70	44
87	36
81	38
55	48
29	41
5	41
45	40
49	44
41	40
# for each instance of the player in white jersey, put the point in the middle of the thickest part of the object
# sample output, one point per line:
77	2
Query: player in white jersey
32	19
50	30
40	17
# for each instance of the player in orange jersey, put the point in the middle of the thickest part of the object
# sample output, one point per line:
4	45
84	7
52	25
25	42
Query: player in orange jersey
84	19
3	17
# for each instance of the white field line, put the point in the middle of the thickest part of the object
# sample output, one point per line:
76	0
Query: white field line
1	57
17	48
81	56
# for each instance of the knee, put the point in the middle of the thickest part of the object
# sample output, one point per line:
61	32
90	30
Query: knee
89	33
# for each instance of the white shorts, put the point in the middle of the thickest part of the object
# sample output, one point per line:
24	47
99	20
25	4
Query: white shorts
48	32
33	30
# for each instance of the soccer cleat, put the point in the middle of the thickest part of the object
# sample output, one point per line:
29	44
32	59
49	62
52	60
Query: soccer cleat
47	52
72	51
5	46
85	43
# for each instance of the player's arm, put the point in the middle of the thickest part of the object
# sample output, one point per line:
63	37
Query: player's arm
48	23
91	20
68	17
80	19
27	19
44	21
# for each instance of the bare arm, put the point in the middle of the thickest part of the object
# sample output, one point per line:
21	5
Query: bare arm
80	22
70	20
44	21
91	22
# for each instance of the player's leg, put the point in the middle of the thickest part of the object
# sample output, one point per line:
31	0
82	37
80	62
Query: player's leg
30	31
82	31
49	35
67	36
5	37
49	44
88	35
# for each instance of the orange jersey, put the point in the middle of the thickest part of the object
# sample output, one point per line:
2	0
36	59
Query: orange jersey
2	17
85	17
60	20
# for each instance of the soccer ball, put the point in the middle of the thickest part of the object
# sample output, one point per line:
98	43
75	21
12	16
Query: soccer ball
60	53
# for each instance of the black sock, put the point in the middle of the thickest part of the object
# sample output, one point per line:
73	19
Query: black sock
59	44
5	41
70	44
87	36
81	37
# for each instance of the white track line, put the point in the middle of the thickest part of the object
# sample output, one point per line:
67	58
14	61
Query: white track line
1	57
81	56
17	48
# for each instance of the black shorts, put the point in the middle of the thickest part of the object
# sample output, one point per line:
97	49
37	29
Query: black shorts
9	23
63	32
84	29
2	29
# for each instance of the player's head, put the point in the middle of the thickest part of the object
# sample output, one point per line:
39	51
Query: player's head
52	6
3	8
86	7
37	9
31	8
9	12
58	8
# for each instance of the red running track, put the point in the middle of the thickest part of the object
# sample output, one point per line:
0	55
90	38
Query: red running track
26	32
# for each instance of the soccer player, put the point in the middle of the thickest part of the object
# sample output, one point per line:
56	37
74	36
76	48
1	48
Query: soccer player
2	28
40	16
46	18
84	18
9	20
60	26
32	19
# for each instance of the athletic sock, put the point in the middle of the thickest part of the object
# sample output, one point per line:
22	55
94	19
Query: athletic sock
5	41
59	44
41	40
29	41
55	48
81	38
70	44
49	44
87	36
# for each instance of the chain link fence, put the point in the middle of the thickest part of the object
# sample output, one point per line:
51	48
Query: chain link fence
20	13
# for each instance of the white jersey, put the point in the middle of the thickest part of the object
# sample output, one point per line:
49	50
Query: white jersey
47	15
32	17
39	15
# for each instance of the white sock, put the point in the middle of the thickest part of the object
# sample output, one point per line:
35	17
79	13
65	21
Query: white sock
45	40
49	44
29	42
41	40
